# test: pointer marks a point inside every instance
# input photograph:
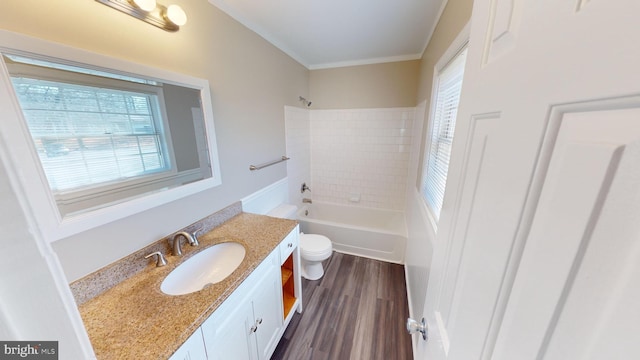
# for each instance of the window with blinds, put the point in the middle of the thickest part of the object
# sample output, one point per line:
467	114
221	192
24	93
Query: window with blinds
88	135
440	138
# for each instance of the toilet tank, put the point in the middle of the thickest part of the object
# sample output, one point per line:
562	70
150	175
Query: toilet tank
285	211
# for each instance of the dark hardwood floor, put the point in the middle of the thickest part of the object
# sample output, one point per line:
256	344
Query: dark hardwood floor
356	311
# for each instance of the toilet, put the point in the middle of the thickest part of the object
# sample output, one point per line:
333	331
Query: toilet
314	248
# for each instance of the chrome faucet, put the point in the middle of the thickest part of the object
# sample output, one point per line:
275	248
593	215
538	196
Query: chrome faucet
191	238
306	201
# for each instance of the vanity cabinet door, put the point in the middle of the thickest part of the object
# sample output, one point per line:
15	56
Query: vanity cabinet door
233	337
267	311
192	349
248	325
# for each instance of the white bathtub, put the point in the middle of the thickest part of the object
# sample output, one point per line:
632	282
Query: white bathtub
373	233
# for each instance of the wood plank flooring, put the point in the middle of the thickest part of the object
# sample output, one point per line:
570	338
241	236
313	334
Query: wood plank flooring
356	311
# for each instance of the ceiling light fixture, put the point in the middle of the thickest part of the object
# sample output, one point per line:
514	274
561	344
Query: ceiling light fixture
168	18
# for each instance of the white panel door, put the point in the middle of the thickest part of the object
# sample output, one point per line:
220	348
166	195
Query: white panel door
542	210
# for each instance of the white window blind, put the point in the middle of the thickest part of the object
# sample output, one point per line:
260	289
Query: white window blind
87	135
440	140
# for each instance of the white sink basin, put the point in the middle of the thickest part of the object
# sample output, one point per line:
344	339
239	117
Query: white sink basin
209	266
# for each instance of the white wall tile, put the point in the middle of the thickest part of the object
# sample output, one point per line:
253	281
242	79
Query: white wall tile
298	138
361	151
345	153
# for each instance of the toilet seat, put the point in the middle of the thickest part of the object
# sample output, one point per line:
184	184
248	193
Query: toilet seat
314	247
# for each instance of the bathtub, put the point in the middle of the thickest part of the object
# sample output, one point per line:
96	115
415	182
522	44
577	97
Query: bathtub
373	233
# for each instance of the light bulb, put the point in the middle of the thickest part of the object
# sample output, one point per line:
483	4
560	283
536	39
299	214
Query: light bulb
146	5
176	15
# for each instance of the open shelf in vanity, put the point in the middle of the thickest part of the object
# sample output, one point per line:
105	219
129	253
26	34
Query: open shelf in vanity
290	273
288	286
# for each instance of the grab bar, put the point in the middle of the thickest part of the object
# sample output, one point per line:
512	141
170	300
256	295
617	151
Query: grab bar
261	166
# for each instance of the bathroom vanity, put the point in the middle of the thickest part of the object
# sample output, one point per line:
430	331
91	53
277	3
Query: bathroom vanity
250	323
241	317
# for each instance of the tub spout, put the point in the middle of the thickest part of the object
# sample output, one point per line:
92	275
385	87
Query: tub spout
306	201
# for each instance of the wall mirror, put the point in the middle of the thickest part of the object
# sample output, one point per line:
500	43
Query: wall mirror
94	139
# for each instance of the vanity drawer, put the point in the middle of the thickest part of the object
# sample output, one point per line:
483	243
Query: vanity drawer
289	244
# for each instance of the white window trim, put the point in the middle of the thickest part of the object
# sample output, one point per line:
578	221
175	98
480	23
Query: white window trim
457	45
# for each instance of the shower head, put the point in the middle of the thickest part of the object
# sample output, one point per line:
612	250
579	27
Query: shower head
305	101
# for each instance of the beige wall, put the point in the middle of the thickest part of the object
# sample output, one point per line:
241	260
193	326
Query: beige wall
251	82
382	85
421	235
455	16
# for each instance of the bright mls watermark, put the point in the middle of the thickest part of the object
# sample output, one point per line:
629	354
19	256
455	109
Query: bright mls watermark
32	350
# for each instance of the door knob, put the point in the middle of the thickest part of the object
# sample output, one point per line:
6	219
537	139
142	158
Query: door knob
414	326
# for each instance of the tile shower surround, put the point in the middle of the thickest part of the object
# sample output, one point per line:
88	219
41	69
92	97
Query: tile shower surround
353	152
298	139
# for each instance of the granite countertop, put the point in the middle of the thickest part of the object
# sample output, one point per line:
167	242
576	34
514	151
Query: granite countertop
135	320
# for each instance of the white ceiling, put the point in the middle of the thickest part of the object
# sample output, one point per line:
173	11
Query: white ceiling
333	33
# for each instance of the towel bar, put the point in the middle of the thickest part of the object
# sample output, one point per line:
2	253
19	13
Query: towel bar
261	166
